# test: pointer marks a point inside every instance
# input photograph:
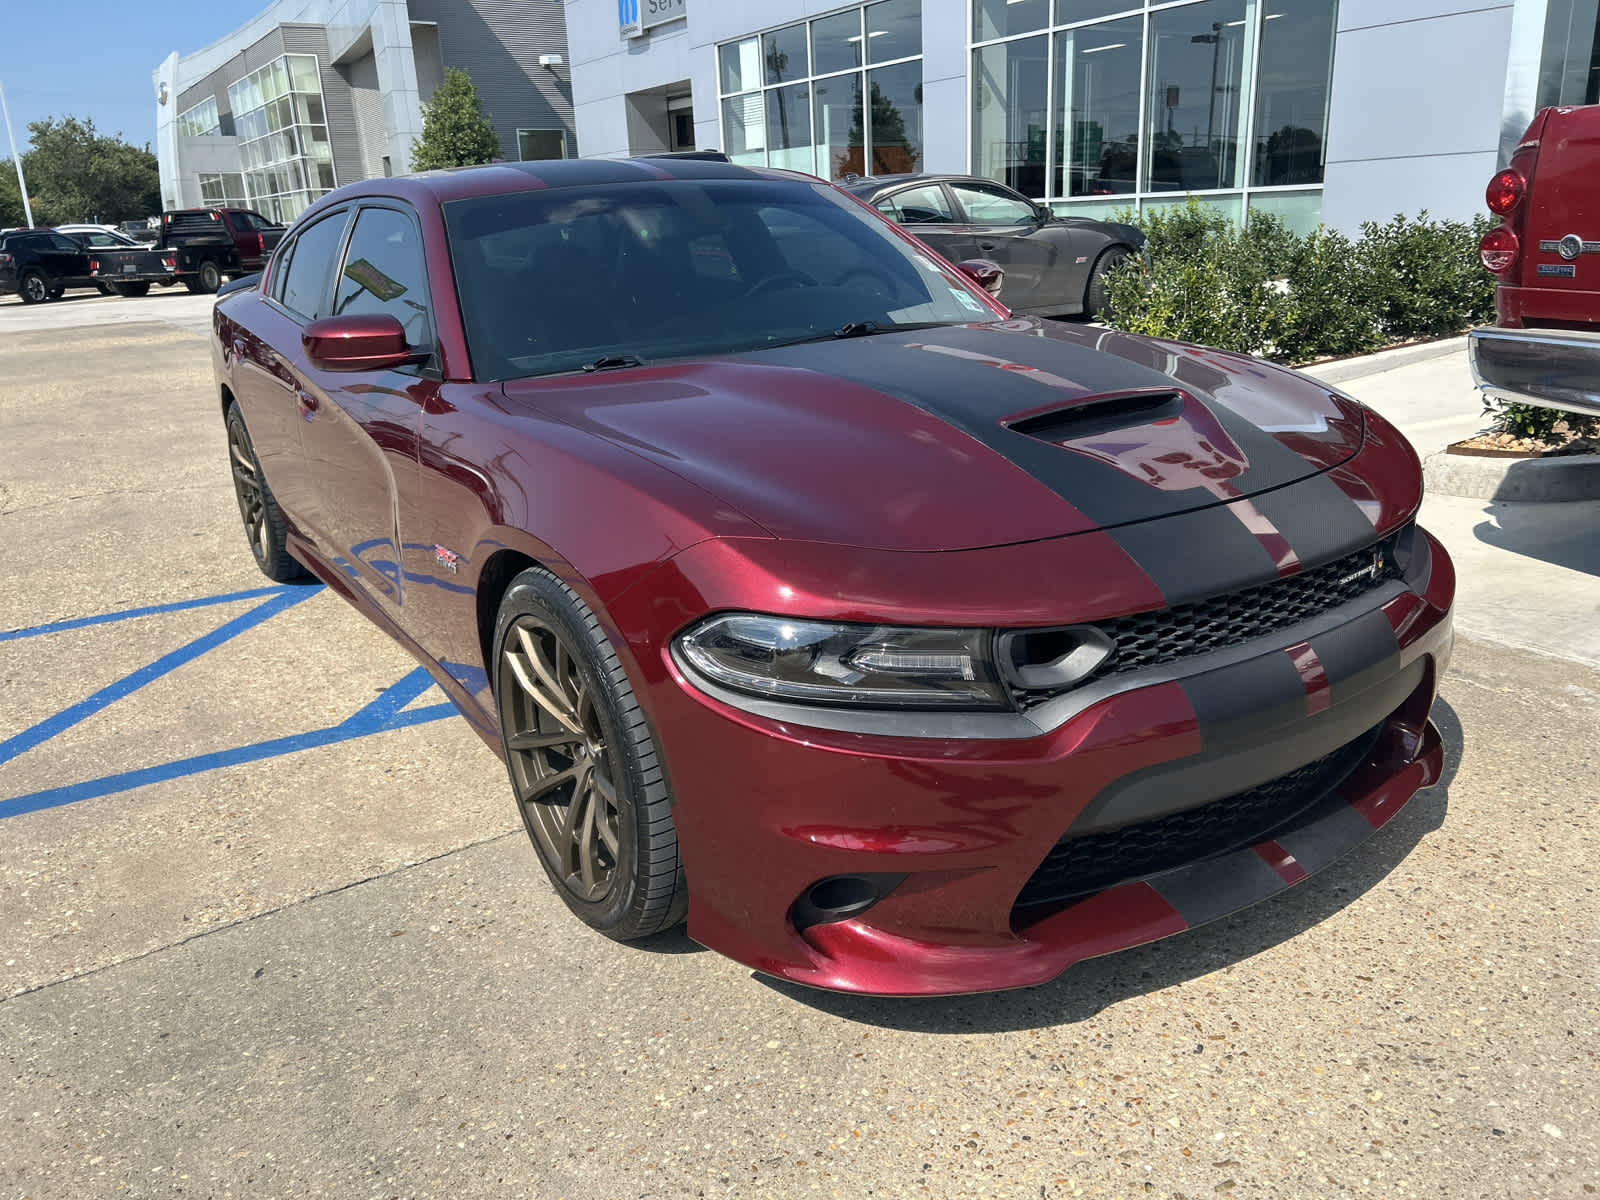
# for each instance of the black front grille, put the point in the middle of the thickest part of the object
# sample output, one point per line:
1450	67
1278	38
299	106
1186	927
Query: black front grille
1080	866
1184	630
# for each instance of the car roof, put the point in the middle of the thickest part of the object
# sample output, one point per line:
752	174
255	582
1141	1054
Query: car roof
459	183
878	183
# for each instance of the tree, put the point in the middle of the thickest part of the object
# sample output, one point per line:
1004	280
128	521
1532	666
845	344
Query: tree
455	130
11	210
76	173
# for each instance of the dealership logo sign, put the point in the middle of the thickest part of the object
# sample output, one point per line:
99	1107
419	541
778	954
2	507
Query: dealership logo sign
636	17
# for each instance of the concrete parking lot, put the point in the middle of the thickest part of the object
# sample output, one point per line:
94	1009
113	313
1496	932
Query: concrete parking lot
271	927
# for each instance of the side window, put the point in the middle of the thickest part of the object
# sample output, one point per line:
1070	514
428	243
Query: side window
385	271
60	241
305	280
919	206
985	207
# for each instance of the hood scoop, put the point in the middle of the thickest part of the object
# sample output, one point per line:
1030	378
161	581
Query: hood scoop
1104	414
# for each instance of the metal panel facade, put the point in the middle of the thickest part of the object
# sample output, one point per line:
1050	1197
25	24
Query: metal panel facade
498	43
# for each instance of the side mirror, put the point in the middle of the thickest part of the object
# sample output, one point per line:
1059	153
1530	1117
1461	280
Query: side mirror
367	342
984	273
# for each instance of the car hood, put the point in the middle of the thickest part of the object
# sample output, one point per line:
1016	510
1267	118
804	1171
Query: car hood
967	436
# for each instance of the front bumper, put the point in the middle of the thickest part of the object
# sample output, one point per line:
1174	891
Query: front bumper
1557	368
957	829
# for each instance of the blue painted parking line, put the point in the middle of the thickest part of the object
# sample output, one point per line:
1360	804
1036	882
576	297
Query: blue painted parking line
387	712
150	611
128	684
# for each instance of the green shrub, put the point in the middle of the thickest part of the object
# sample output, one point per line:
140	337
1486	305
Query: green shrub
1426	277
1267	291
1532	421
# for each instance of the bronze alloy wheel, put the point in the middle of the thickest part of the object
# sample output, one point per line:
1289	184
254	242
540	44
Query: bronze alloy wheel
562	768
247	487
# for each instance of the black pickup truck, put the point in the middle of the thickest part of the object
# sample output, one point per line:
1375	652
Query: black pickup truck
196	247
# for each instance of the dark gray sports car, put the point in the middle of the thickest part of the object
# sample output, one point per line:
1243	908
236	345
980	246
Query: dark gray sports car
1055	266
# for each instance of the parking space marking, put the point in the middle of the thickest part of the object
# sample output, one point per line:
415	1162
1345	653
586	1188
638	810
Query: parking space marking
38	734
148	611
388	712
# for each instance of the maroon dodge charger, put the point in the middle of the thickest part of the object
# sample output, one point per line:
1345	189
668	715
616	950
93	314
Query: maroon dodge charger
901	645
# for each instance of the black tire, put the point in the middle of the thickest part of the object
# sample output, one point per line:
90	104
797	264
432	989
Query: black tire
209	278
131	289
264	526
105	289
635	888
1097	298
33	287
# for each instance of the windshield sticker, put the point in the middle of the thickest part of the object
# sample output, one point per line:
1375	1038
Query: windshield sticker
967	300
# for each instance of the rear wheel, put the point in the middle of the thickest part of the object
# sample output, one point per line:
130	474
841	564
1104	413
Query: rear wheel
264	525
1097	300
33	287
209	279
131	289
584	766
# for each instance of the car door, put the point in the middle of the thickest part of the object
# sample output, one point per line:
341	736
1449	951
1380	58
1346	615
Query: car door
67	261
359	433
1004	228
267	383
926	210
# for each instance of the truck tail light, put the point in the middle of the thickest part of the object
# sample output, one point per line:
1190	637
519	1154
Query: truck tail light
1504	191
1498	250
261	245
94	266
170	262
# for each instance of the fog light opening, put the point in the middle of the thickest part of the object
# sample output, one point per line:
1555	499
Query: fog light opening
840	897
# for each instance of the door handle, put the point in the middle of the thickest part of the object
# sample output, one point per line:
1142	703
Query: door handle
988	245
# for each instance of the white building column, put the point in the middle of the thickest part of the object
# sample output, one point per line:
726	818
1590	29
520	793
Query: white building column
397	80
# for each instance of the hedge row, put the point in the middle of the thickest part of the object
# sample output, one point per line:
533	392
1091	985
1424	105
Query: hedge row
1267	291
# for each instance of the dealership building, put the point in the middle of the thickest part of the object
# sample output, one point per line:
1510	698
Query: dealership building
1313	110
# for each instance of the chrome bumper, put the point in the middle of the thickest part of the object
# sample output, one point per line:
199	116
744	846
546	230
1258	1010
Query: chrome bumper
1557	368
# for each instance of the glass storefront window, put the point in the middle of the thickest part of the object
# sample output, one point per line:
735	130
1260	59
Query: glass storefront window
741	65
789	128
1097	108
1011	90
281	124
896	97
1194	122
894	30
783	54
1300	211
797	97
1155	99
1292	100
838	125
836	42
201	120
1003	18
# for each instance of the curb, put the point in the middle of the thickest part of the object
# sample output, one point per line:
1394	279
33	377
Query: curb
1529	480
1346	369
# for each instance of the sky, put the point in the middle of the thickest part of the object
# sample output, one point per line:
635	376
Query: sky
94	58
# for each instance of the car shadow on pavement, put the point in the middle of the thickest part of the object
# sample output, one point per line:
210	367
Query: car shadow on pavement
1085	990
1560	533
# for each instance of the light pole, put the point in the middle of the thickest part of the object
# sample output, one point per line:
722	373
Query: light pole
16	159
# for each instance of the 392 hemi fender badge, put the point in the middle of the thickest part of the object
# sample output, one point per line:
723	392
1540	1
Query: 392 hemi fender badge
448	559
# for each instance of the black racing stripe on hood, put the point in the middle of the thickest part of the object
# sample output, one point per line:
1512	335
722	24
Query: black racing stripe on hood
976	397
1196	554
1318	519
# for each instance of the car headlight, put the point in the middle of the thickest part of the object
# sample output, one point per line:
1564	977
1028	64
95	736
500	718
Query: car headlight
870	666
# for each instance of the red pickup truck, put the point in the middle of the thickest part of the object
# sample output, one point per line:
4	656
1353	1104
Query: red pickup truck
1545	347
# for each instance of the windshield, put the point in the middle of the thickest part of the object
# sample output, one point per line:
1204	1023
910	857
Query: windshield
552	280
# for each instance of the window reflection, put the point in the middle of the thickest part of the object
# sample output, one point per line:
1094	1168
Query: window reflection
1097	81
1292	92
1011	88
1195	120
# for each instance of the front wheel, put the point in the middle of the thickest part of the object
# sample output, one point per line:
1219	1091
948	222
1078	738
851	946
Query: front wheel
1097	299
263	520
584	766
